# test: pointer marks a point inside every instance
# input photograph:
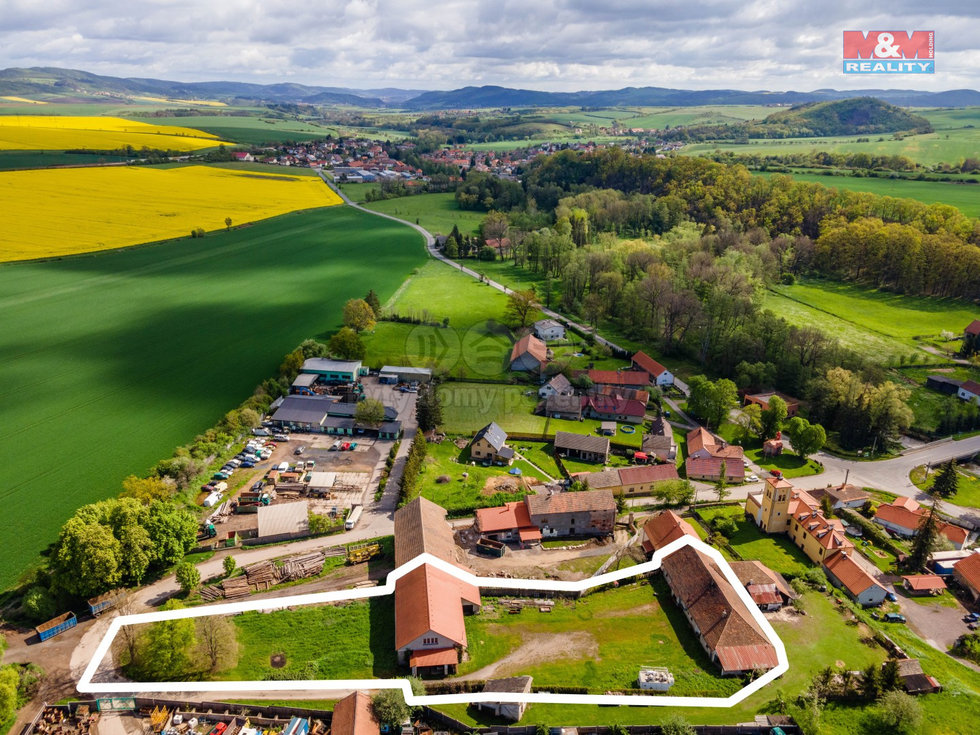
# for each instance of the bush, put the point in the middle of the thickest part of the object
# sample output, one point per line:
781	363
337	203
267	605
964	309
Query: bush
968	646
725	526
38	604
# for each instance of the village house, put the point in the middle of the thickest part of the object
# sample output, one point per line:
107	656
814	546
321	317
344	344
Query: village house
619	378
914	679
354	715
557	386
430	633
567	407
943	384
707	454
530	354
969	390
657	373
582	447
768	589
614	408
659	441
429	630
720	619
511	711
636	480
846	574
587	513
923	584
967	573
972	330
762	400
772	447
549	330
904	516
842	496
333	371
490	445
663	528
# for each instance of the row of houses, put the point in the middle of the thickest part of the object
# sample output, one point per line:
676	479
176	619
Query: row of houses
635	480
708	456
328	415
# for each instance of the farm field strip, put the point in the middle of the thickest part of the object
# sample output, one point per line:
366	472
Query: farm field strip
964	196
79	210
112	360
56	132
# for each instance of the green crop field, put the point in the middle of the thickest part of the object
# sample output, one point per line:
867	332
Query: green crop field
435	212
112	360
879	324
964	196
956	136
249	129
41	159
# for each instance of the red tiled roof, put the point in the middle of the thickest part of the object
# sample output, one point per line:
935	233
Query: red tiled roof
646	362
666	527
615	406
435	657
711	467
726	624
973	327
648	473
503	517
763	594
529	534
956	534
971	386
429	599
421	527
619	377
755	572
829	533
698	439
531	345
899	516
924	582
969	570
849	573
354	715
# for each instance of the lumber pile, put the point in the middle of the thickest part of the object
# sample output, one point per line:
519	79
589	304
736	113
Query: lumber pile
212	592
262	575
235	588
305	565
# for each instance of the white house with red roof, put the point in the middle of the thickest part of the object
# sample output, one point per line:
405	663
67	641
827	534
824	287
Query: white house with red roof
847	574
659	375
904	516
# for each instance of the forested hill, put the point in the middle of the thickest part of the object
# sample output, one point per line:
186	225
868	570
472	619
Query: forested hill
858	116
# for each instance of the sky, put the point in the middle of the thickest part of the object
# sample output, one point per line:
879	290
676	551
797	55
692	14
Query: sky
554	45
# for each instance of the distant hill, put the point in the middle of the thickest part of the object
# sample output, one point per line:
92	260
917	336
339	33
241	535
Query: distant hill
856	116
476	97
72	83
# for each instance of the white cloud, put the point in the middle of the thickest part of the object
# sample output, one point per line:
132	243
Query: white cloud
560	45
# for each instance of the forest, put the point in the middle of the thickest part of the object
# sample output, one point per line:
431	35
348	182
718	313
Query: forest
679	252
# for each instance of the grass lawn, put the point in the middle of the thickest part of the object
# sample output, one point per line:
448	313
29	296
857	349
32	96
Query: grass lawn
869	321
776	551
251	130
620	630
446	459
962	195
968	488
808	654
355	640
132	352
435	212
788	463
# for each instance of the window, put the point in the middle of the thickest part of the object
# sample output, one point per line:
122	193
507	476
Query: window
430	641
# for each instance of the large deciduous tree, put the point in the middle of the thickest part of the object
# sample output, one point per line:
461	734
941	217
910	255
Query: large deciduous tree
772	417
359	316
370	412
346	344
805	438
712	400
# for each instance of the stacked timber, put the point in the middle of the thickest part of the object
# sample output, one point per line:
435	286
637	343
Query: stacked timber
212	592
235	588
299	567
262	575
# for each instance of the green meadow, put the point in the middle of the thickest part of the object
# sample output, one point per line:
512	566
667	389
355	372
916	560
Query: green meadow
112	360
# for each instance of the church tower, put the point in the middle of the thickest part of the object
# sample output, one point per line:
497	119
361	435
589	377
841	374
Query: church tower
775	505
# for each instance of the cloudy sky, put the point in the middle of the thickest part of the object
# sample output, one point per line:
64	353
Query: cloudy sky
559	45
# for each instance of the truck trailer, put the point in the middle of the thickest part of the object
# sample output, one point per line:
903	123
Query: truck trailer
56	625
353	517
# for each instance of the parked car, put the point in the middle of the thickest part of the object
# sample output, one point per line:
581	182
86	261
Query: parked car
280	437
753	478
259	431
971	617
221	475
207	488
299	450
892	597
248	463
894	618
335	445
353	446
776	473
234	462
874	615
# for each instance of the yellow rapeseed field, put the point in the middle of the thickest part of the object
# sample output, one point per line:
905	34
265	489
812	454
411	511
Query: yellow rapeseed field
55	132
205	103
23	100
54	212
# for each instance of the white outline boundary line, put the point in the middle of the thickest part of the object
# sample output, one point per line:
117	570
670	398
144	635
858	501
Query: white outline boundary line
86	684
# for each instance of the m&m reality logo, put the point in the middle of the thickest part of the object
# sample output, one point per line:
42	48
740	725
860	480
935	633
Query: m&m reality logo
889	52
